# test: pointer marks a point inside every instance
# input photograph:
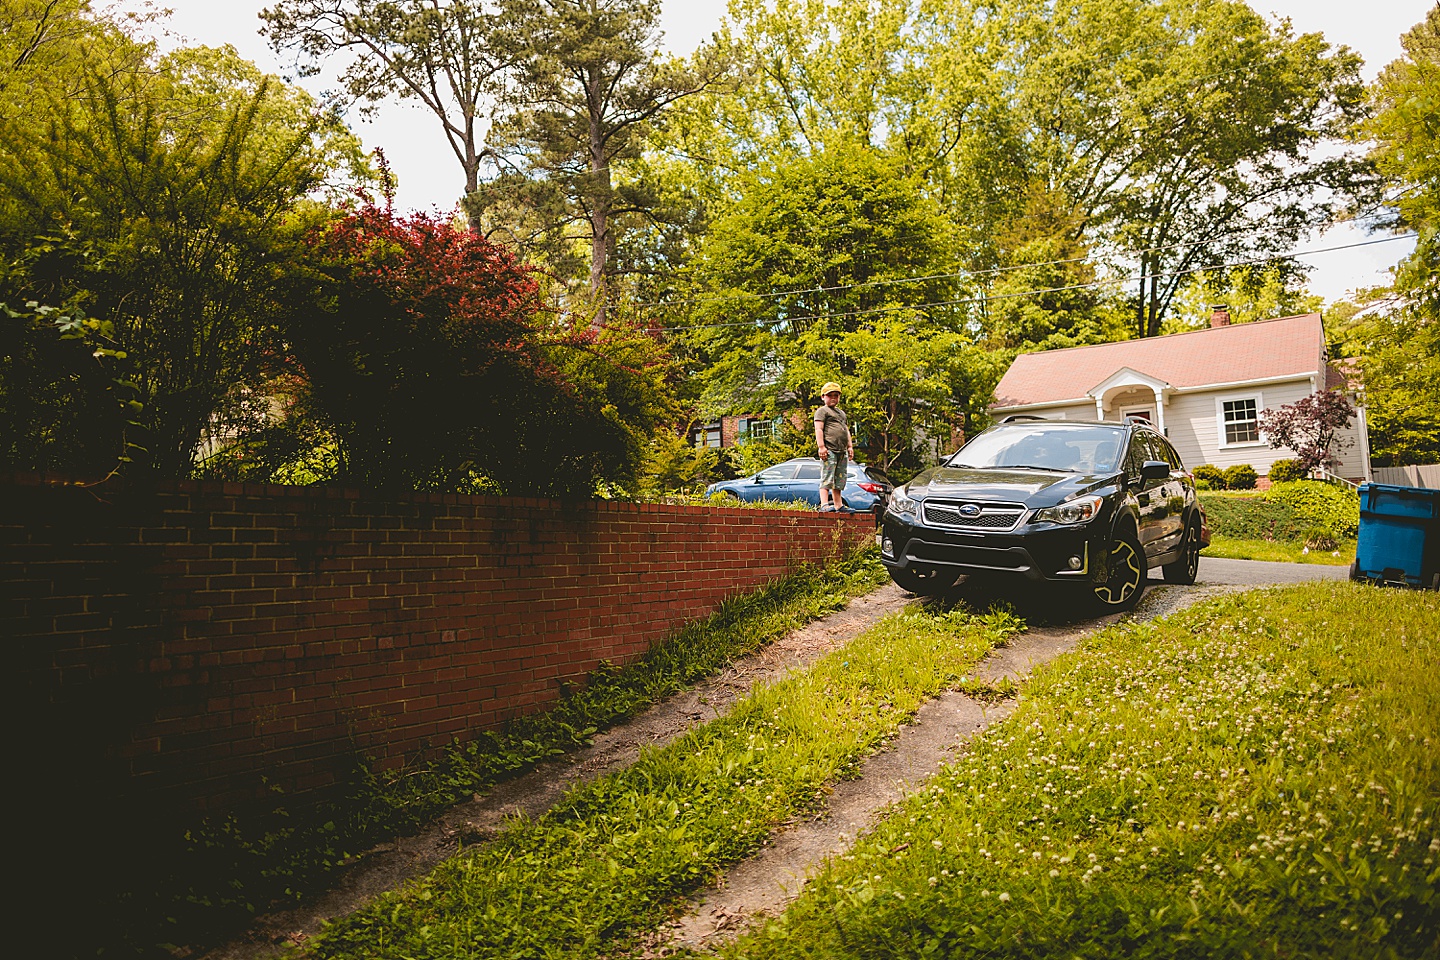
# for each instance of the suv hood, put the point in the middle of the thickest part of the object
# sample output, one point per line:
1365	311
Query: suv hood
1030	487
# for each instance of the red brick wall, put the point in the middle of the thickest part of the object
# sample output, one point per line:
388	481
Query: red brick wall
181	644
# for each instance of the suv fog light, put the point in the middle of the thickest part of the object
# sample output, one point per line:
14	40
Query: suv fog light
1075	563
887	547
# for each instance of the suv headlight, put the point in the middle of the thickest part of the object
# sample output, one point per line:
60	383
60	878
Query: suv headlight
901	505
1078	510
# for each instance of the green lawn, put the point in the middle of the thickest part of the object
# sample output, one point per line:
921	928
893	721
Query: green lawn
1235	549
1256	777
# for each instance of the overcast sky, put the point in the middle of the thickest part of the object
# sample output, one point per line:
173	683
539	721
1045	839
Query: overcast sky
430	176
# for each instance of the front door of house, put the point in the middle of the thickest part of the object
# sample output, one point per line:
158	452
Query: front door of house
1146	413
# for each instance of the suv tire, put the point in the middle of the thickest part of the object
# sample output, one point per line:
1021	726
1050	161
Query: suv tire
1126	572
1184	570
931	585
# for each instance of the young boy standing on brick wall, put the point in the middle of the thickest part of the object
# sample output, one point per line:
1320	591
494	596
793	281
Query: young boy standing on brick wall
837	449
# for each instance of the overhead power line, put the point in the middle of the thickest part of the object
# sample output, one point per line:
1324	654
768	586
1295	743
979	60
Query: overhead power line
1113	281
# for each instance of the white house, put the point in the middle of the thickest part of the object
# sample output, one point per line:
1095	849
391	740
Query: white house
1204	389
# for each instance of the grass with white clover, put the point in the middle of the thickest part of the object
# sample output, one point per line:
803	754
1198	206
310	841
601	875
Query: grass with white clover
609	859
1256	777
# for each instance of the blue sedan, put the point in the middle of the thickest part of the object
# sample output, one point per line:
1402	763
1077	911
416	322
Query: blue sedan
799	479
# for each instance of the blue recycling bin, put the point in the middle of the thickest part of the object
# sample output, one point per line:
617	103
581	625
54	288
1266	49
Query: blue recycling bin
1399	540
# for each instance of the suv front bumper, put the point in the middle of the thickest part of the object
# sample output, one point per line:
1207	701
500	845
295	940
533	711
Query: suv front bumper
1037	552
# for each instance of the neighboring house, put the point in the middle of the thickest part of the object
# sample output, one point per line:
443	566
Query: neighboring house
1204	389
729	431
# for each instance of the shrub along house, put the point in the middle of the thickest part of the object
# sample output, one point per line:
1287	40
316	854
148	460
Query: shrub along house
1204	389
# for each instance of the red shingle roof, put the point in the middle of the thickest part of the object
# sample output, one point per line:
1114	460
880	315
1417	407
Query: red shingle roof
1239	352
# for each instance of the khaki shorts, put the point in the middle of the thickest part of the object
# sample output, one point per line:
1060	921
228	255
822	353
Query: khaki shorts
833	470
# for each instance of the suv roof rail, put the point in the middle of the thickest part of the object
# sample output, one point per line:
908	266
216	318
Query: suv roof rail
1021	416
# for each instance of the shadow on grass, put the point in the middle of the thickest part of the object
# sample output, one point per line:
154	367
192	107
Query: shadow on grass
1039	605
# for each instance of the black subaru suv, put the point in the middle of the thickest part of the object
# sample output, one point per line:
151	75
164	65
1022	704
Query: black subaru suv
1090	503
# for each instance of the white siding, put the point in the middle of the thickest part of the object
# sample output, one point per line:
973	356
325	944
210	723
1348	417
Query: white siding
1193	424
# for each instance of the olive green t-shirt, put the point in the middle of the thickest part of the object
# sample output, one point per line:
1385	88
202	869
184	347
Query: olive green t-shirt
837	429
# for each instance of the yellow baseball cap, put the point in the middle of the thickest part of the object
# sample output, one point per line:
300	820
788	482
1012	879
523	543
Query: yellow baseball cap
831	387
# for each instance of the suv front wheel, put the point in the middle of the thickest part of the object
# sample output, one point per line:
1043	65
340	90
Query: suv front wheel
1124	582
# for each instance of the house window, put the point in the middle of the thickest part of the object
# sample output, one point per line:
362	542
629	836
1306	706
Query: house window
1240	420
707	435
762	429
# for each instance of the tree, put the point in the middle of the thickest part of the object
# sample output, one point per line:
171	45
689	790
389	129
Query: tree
833	267
453	56
1310	427
1397	348
1396	332
426	354
158	203
1256	292
1045	296
45	46
1406	131
1166	135
1183	133
590	91
53	365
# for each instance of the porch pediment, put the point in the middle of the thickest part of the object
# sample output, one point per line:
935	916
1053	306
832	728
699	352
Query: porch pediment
1127	378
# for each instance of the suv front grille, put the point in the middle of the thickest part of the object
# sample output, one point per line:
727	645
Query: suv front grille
992	516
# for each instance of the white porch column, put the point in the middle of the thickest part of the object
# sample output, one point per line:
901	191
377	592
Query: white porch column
1100	408
1159	411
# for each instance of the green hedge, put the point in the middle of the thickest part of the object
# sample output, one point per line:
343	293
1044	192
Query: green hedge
1286	471
1287	512
1252	518
1241	476
1209	474
1332	508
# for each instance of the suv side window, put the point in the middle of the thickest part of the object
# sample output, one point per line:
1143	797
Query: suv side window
1135	455
784	471
808	471
1157	450
1171	454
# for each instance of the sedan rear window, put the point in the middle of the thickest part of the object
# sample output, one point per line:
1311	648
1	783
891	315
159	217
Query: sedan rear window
1039	447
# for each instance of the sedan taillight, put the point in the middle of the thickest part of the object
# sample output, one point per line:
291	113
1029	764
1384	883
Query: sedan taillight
871	487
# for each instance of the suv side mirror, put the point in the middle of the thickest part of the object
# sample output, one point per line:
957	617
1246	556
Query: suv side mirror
1155	470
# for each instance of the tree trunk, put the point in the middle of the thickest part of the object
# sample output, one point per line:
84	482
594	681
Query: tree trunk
1140	300
471	163
1152	325
599	202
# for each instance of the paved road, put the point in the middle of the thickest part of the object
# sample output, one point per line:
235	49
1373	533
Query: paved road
1215	571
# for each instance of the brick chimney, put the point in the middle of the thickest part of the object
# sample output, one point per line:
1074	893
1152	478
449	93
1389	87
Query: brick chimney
1220	315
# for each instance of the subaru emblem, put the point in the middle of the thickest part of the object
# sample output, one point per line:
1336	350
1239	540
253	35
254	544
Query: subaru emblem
970	510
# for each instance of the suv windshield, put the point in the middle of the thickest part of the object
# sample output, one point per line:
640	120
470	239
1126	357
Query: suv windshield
1089	449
